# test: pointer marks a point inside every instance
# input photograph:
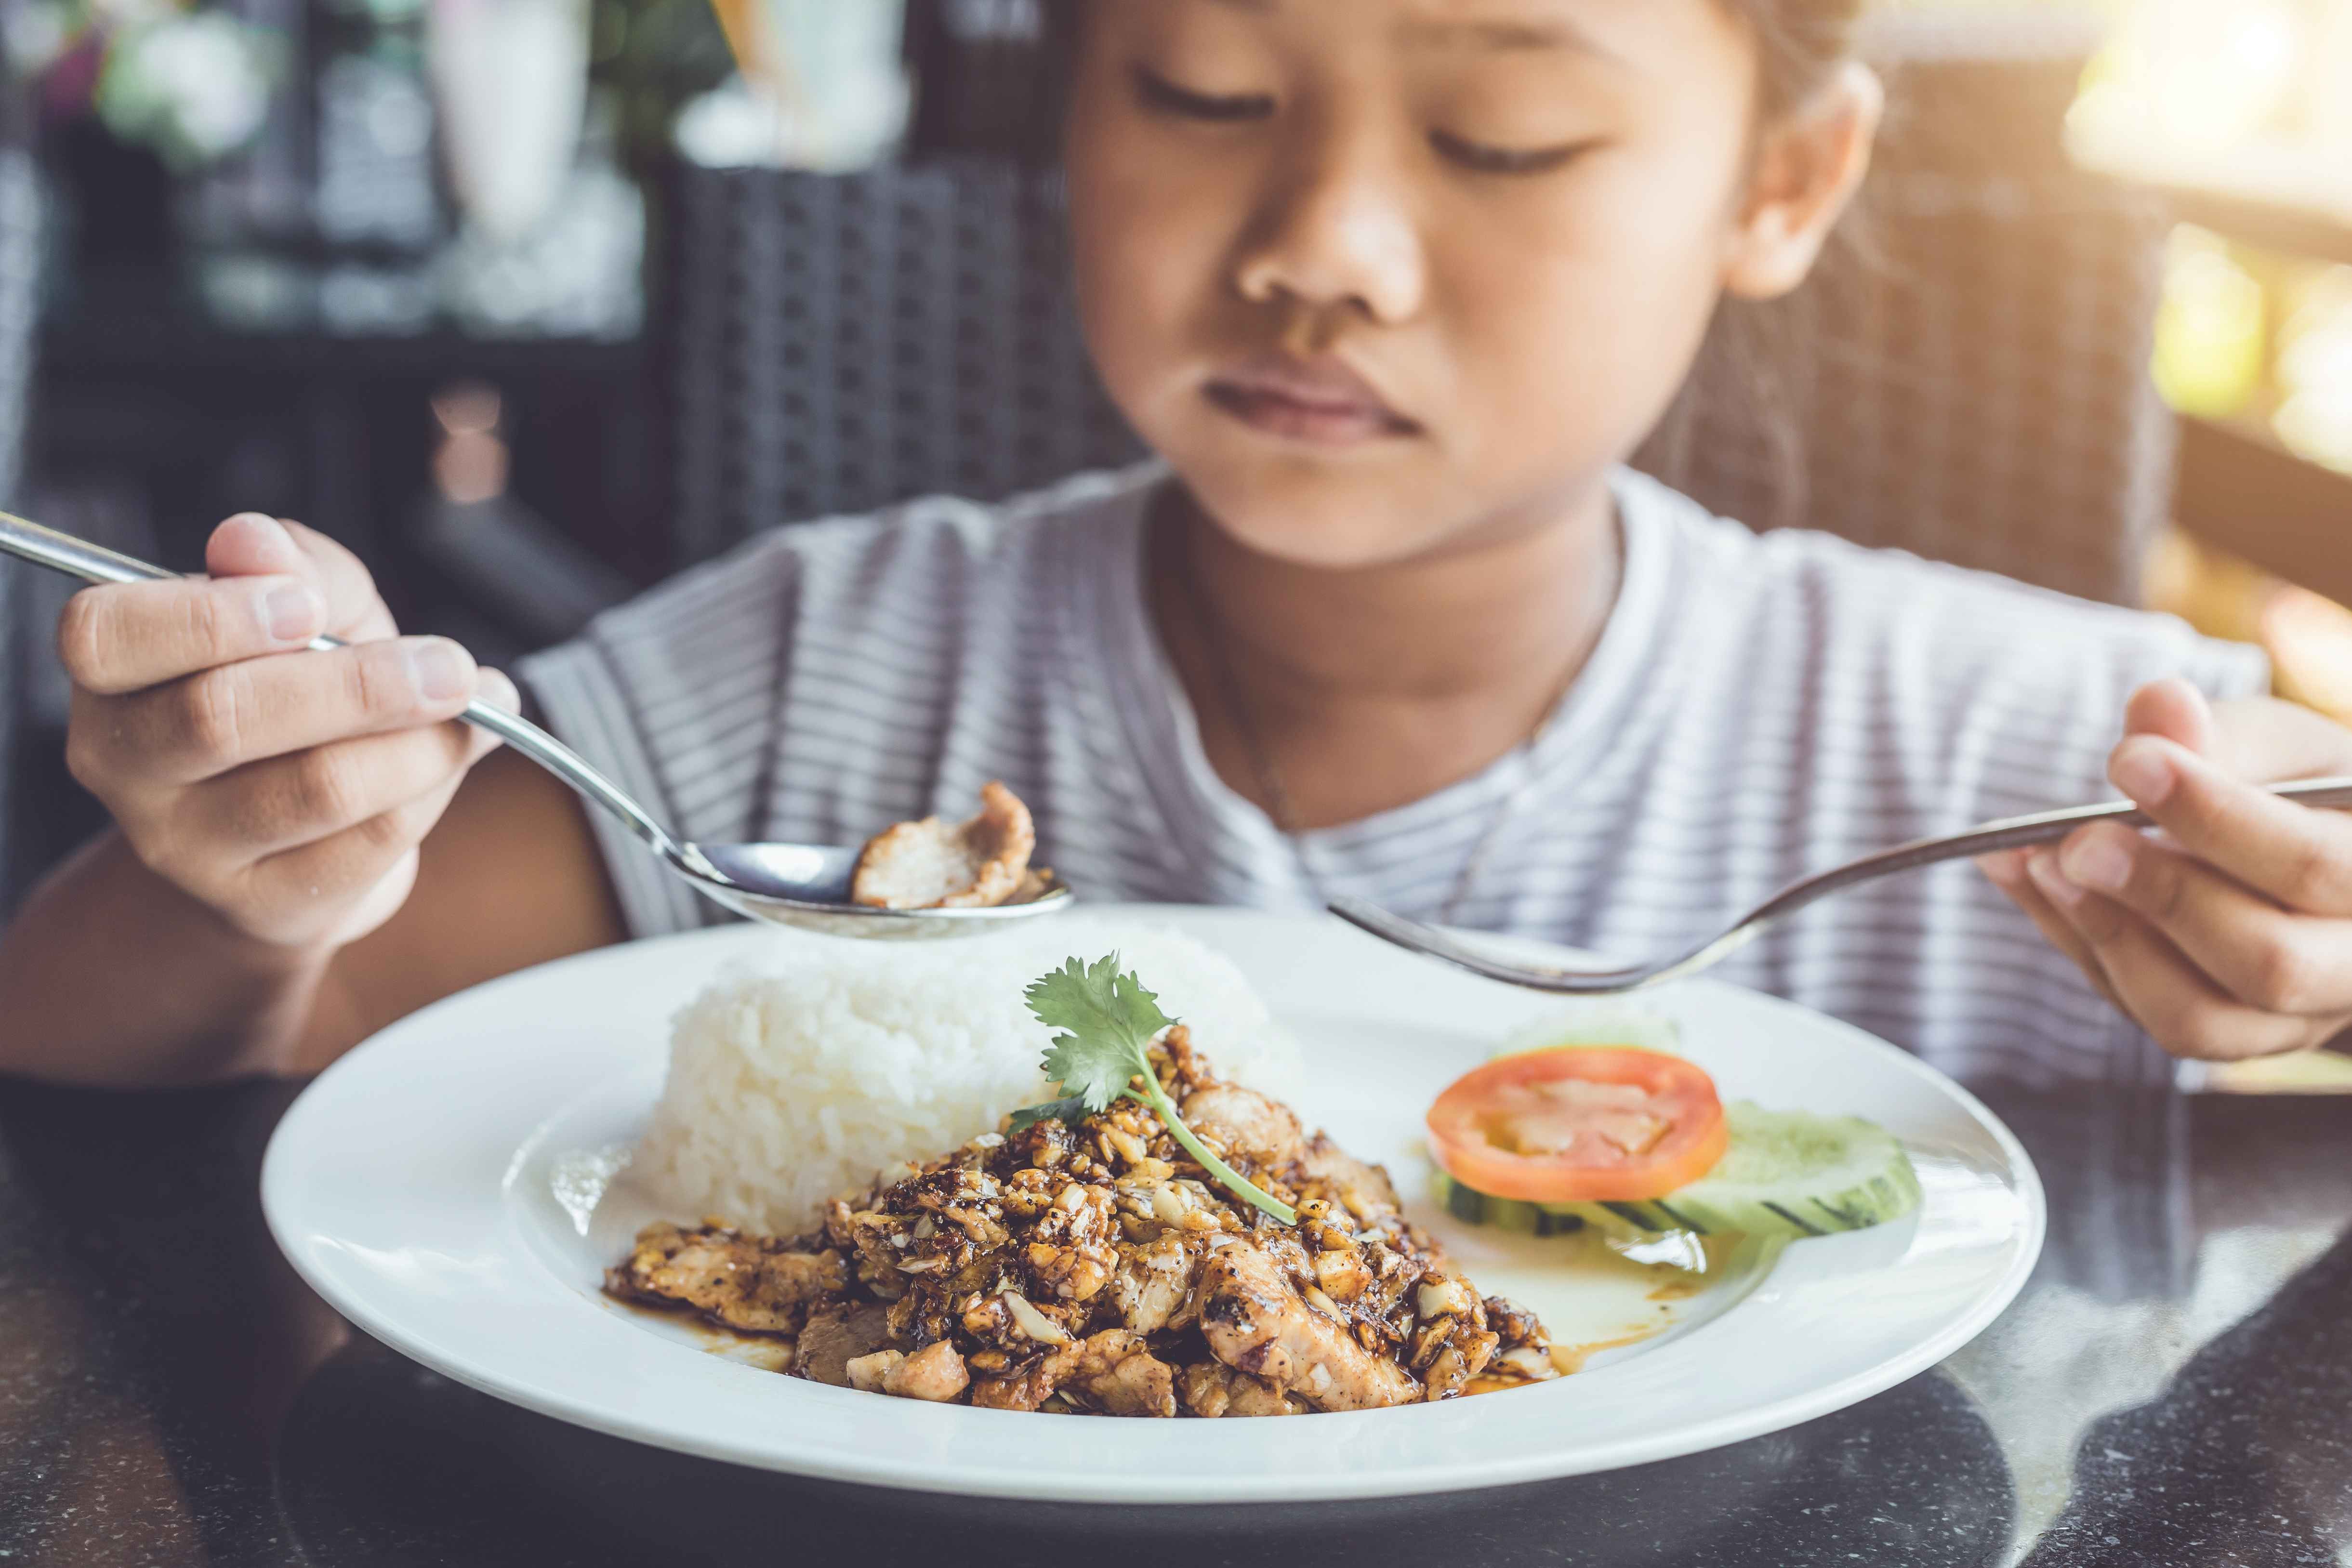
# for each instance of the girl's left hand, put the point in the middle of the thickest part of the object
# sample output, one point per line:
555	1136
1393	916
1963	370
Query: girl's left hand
2228	934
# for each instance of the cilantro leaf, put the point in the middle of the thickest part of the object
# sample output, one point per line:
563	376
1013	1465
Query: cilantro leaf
1069	1113
1110	1021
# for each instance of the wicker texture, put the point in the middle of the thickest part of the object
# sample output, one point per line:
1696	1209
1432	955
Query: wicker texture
842	343
1969	383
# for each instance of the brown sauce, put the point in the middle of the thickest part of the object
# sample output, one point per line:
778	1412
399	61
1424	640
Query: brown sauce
1570	1358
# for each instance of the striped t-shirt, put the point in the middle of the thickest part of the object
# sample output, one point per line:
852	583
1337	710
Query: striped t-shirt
1758	707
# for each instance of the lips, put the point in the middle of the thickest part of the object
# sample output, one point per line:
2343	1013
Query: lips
1322	400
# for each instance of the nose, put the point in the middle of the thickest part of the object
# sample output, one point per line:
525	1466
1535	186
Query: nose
1337	232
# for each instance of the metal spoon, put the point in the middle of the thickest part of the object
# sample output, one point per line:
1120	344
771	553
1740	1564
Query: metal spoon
2010	833
802	886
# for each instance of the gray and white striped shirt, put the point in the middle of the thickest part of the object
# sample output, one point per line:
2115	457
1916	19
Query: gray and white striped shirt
1756	707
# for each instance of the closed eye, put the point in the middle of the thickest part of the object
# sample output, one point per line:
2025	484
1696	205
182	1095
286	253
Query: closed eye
1485	160
1158	92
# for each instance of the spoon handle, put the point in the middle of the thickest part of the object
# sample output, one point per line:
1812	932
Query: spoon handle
95	563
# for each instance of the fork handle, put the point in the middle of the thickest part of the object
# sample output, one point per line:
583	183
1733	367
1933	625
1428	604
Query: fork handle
1991	838
2009	833
95	563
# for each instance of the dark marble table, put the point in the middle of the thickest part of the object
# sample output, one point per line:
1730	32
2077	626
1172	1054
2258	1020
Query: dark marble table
2174	1389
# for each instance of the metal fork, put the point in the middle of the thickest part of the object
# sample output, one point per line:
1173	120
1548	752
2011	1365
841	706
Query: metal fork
2010	833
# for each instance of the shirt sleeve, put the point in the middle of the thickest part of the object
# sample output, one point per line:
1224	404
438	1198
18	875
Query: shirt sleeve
673	696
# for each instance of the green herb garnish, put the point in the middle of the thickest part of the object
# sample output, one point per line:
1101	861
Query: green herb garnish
1108	1022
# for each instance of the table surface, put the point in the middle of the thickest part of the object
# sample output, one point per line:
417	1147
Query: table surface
2174	1389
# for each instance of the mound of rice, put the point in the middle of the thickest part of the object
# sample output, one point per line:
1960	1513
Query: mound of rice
800	1076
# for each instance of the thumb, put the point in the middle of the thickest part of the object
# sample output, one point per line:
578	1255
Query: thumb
2173	709
253	544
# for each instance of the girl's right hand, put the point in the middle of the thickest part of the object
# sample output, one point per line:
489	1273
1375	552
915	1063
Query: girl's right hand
286	789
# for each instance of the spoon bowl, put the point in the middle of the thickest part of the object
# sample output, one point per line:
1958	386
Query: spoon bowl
805	886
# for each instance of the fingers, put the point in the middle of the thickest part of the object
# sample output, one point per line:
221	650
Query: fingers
309	847
274	586
286	802
2007	871
313	893
254	544
250	543
2300	857
2175	1001
222	719
130	636
2258	953
2175	710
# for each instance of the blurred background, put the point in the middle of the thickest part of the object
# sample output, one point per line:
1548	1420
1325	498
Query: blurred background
534	302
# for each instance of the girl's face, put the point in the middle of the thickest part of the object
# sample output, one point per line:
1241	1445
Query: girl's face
1383	277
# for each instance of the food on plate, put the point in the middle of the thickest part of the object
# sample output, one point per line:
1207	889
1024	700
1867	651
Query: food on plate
1634	1142
1161	1240
806	1070
978	864
1580	1124
1787	1173
1109	1023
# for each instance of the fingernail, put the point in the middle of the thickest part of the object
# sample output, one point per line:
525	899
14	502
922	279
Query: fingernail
2097	862
292	613
2043	869
440	670
2145	773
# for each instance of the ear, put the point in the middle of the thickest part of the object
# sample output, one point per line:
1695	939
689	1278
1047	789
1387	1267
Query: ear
1808	166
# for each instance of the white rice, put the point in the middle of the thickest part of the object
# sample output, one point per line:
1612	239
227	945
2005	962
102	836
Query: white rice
803	1075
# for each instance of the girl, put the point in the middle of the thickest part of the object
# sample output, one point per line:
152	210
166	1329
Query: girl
1393	287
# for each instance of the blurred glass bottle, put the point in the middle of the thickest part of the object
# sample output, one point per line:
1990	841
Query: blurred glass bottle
511	77
824	85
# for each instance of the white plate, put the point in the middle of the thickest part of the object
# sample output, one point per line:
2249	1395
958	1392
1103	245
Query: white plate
444	1188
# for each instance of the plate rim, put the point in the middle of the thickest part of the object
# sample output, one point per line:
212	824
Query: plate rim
826	1463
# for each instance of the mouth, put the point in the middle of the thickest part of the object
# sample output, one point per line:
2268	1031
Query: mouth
1321	401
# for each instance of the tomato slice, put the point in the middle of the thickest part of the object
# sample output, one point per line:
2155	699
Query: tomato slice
1579	1125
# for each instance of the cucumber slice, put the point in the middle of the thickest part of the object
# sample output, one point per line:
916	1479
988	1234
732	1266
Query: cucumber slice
1787	1173
1471	1207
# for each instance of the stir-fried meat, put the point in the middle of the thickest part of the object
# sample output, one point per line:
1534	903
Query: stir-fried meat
1112	1372
935	1374
1362	1189
839	1332
1154	1287
752	1283
937	865
1257	1322
867	1373
1211	1388
1098	1269
1259	1130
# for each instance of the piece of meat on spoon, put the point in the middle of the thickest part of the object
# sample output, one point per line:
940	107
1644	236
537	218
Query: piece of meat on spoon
978	864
